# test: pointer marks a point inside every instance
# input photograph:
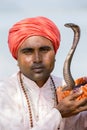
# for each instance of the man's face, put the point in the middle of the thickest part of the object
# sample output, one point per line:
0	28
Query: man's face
36	58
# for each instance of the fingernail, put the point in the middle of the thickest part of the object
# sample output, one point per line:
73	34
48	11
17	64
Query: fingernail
76	90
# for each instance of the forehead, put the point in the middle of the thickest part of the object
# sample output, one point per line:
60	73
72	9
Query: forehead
36	41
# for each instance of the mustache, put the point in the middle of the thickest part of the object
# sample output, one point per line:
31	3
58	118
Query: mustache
37	65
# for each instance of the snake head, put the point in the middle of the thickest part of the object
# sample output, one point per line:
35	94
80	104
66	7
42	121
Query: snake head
70	25
73	26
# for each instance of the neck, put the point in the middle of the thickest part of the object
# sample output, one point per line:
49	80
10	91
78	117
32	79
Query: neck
40	83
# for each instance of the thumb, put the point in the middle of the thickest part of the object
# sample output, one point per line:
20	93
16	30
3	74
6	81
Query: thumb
76	93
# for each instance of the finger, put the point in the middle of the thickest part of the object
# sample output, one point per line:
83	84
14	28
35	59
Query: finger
81	105
80	109
82	102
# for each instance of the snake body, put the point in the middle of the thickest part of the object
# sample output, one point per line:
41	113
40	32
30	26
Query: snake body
70	83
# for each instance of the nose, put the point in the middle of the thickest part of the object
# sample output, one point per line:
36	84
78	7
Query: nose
37	57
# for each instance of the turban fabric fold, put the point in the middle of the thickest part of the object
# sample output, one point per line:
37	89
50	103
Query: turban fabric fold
35	26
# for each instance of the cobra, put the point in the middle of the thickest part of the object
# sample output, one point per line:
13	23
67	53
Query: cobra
70	83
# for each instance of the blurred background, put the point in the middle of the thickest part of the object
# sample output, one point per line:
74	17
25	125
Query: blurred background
59	11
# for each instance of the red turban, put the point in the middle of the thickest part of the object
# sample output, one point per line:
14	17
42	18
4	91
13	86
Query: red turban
36	26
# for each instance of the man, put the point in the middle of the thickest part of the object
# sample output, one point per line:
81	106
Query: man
28	99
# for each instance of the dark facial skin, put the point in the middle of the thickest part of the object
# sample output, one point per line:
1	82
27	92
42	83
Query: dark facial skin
36	59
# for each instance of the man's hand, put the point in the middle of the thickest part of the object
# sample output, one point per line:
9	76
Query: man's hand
69	106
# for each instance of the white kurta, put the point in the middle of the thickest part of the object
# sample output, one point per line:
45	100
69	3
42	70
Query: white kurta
14	113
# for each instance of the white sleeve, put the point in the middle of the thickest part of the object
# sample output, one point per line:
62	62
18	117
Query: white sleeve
50	122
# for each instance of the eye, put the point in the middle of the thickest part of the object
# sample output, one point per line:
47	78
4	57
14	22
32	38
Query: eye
27	50
45	49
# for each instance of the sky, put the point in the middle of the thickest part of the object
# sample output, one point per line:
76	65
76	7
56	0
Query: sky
60	12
